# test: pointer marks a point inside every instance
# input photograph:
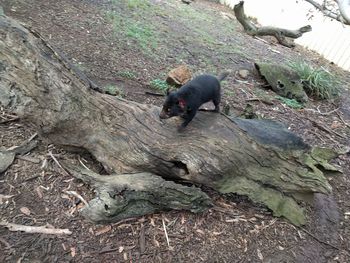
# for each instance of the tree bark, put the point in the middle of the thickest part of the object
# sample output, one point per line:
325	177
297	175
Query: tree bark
131	195
279	33
260	159
344	10
342	15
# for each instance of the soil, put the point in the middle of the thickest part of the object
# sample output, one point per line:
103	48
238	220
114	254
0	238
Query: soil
126	45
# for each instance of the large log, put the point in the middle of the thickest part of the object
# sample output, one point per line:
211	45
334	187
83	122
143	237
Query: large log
260	159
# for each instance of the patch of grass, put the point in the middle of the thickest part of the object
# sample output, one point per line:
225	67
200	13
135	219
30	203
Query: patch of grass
143	4
111	15
114	18
114	90
318	82
143	34
291	103
127	74
159	84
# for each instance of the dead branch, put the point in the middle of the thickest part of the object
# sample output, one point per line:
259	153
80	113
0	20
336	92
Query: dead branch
342	16
279	33
35	229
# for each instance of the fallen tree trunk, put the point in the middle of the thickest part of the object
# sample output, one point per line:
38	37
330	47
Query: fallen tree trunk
279	33
131	195
260	159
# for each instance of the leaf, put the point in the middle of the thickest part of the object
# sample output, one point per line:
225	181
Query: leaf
73	252
39	192
103	230
200	232
336	125
4	197
260	256
25	210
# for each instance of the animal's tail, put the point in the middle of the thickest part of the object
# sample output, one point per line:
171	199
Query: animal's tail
223	75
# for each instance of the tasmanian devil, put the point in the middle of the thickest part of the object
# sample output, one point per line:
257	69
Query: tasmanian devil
186	101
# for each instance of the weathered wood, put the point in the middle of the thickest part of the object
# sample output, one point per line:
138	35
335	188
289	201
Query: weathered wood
7	156
279	33
132	195
259	159
283	80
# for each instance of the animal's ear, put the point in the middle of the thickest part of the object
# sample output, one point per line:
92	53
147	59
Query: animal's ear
182	103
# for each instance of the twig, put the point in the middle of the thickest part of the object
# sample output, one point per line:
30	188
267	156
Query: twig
125	221
224	211
274	50
142	239
166	233
319	240
324	128
59	165
77	196
10	115
342	119
108	250
318	136
154	94
81	162
7	245
31	178
26	146
9	120
323	113
33	137
262	40
184	47
35	229
260	100
28	159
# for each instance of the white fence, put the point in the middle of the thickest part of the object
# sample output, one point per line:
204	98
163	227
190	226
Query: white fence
328	38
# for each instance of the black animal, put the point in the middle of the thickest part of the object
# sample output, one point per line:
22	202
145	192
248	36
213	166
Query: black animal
186	101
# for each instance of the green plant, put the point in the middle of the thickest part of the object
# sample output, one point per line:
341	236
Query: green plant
127	74
159	84
292	103
114	90
144	4
144	35
111	16
318	82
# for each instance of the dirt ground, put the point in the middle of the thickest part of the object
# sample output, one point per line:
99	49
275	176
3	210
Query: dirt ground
126	45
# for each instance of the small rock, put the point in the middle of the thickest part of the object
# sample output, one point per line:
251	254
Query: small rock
186	1
179	76
243	73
